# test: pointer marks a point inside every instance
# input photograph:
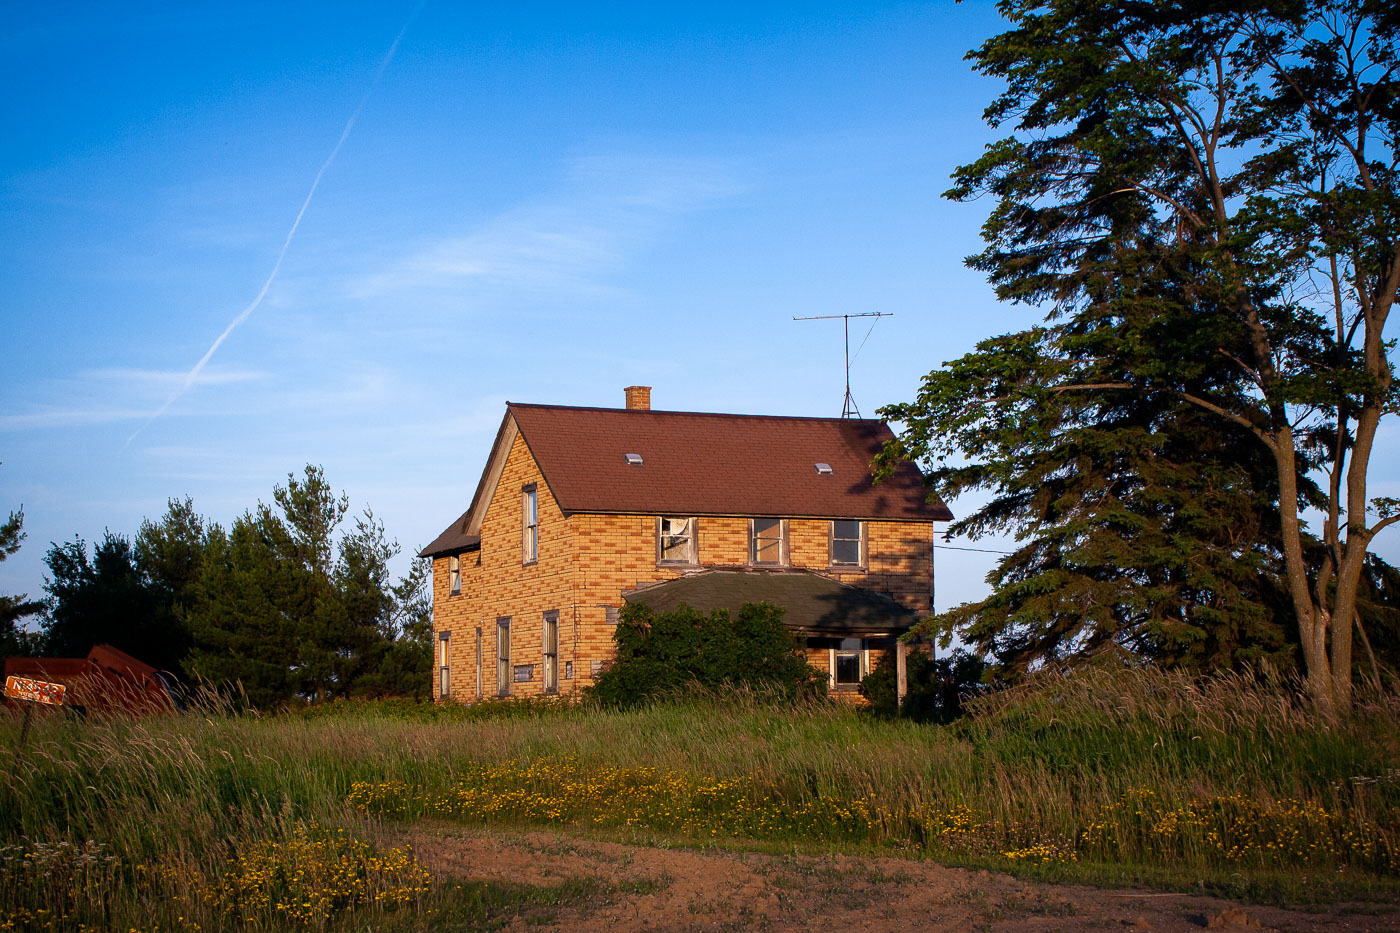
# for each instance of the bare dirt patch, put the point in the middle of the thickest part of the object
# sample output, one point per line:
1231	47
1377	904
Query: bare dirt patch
655	888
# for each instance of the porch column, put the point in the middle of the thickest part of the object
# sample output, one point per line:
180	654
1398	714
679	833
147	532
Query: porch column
901	653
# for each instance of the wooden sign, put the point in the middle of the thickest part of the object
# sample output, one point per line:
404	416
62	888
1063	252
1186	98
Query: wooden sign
34	691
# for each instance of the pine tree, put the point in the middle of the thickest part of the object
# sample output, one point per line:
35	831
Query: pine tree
1205	198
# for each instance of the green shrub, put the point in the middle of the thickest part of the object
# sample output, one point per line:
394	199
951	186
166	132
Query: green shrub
667	652
936	686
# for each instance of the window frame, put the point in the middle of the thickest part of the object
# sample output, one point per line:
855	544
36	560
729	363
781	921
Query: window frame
444	665
861	545
782	560
504	673
862	654
550	659
454	575
529	524
478	662
693	559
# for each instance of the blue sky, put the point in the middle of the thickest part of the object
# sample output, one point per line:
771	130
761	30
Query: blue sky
537	203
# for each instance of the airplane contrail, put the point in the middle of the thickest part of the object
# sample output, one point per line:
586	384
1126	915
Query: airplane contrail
198	367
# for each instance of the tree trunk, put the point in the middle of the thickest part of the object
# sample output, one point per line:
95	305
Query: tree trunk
1313	618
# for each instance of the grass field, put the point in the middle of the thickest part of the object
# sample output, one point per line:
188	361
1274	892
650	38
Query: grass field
215	821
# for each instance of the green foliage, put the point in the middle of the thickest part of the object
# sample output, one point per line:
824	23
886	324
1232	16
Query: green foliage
936	687
284	604
13	640
107	598
660	653
1204	200
292	610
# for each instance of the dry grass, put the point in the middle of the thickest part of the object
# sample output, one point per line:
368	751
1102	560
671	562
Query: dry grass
1101	776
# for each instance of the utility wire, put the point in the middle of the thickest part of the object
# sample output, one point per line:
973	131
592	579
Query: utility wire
980	550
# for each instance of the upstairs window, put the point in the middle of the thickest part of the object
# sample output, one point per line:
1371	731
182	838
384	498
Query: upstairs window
454	575
675	540
847	543
767	544
530	522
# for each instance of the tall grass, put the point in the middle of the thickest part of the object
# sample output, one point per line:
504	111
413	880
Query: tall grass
138	823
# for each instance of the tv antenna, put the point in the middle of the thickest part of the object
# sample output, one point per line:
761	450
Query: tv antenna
848	407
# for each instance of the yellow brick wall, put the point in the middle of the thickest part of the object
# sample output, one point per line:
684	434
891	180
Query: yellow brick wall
587	560
504	585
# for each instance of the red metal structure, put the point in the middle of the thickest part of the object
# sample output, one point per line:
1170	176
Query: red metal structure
108	680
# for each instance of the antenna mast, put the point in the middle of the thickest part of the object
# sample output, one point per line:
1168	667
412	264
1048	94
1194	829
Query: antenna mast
848	407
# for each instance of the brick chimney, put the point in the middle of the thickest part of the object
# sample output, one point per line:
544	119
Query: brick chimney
638	398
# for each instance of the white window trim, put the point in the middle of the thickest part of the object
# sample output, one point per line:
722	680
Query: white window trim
529	531
549	663
444	665
694	558
864	653
835	564
504	672
454	575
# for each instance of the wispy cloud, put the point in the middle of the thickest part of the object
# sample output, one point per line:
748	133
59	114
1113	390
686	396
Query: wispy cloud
607	205
193	375
87	395
163	379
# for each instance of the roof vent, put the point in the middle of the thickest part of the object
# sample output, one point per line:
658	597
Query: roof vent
823	469
633	459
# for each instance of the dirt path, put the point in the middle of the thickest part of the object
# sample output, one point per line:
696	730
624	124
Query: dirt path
685	889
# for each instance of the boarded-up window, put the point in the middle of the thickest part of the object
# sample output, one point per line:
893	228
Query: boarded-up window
766	541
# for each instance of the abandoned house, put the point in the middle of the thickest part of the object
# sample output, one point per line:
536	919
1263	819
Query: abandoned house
581	510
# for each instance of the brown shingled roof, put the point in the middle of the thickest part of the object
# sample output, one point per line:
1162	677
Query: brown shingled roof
453	540
695	463
698	463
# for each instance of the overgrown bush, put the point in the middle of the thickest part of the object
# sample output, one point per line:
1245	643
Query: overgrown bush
666	652
936	686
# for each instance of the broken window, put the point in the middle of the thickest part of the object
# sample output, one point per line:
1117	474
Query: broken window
676	540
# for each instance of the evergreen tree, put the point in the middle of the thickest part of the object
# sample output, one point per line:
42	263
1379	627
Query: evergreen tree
1205	197
105	599
128	594
294	610
13	639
